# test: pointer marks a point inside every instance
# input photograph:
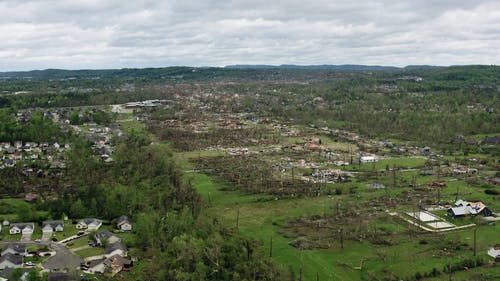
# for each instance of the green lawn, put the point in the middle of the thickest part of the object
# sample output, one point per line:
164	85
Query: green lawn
93	251
69	230
262	220
9	237
83	241
401	163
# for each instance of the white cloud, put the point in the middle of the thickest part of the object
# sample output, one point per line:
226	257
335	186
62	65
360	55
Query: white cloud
42	34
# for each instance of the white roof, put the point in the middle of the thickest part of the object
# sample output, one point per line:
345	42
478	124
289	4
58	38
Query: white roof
492	252
459	211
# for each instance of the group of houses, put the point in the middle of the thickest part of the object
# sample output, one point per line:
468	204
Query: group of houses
115	255
27	228
51	226
22	228
101	139
50	153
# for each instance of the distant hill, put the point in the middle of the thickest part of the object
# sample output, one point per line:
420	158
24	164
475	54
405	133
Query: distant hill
235	71
345	67
419	67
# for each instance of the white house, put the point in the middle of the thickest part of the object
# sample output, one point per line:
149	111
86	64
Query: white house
123	223
90	224
24	228
51	226
368	159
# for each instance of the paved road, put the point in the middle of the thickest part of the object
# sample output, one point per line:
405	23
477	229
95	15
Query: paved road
64	259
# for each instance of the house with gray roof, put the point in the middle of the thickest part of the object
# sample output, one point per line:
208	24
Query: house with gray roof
465	208
106	235
51	226
117	248
89	224
15	249
24	228
124	224
11	261
97	266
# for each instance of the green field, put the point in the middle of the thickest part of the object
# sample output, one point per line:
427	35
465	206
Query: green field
90	252
261	217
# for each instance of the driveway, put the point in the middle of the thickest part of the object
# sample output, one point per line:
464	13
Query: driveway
26	237
46	236
64	259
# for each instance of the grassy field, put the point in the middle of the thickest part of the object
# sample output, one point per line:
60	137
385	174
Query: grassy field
261	217
90	252
83	241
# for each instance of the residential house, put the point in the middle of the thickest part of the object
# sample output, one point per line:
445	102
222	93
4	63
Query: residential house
118	263
117	248
107	236
491	140
48	227
18	144
464	208
11	261
90	224
123	223
15	249
495	181
30	197
97	266
24	228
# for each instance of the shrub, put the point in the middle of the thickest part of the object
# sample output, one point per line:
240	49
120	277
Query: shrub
492	192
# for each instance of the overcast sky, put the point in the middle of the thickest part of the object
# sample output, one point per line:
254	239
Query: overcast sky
75	34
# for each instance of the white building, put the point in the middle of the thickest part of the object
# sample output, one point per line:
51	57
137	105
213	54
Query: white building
368	159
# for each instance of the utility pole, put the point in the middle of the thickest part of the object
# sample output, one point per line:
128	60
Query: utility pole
394	175
238	218
475	239
342	238
271	248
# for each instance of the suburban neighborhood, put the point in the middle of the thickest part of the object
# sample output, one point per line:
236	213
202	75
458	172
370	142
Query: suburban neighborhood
83	246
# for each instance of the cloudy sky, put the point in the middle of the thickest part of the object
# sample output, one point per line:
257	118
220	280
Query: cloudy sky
75	34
